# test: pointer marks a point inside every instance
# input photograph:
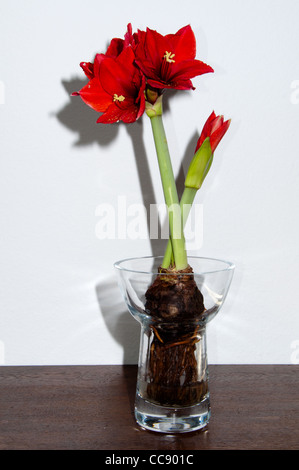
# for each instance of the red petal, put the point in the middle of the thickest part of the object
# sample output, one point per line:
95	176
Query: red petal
111	115
129	38
175	85
87	69
115	47
94	96
97	62
183	43
218	134
216	124
116	75
115	114
141	98
147	68
189	69
155	47
130	115
206	131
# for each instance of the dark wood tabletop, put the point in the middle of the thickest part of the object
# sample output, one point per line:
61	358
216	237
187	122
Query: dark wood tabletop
91	407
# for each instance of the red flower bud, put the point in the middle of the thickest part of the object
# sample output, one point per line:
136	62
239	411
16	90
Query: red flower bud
214	128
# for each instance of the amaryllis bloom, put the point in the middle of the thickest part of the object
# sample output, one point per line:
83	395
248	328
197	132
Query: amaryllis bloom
116	87
169	61
214	128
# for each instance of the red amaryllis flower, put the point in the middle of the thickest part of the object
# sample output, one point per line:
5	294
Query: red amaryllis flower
169	61
116	87
214	128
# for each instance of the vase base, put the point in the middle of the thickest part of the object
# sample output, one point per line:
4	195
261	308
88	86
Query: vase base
166	419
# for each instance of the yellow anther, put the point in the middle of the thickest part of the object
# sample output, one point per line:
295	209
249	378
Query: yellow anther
118	98
168	56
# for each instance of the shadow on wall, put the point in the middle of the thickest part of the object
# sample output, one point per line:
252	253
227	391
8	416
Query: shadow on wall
121	325
81	119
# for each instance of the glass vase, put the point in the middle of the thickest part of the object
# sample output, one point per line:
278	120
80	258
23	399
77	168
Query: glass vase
172	392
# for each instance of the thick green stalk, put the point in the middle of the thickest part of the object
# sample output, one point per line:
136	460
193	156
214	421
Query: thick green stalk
170	194
185	204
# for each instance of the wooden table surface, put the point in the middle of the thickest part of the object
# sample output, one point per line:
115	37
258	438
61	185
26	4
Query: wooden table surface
91	407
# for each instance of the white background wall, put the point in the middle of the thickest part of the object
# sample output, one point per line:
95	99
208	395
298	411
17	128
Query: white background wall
59	300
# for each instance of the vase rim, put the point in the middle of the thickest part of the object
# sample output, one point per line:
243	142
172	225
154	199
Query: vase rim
229	266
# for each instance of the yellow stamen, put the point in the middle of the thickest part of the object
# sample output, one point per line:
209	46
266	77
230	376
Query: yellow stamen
168	56
118	98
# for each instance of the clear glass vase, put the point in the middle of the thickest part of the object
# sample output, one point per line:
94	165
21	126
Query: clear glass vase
172	393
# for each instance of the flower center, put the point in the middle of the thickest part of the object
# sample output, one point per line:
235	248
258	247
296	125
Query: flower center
118	98
168	56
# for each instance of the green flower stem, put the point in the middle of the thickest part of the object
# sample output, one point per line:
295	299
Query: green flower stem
198	170
185	204
170	194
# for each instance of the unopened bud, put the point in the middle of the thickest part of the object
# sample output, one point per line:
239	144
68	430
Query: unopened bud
199	166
